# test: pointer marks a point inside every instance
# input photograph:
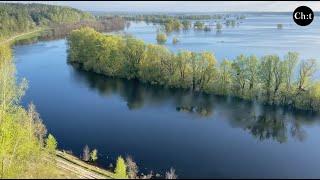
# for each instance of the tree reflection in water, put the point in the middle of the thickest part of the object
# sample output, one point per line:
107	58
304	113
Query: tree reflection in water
261	121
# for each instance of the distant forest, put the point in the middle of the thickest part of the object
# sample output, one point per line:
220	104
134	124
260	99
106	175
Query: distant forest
57	20
17	17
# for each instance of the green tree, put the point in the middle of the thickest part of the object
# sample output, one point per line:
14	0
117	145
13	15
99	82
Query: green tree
10	93
51	144
266	75
175	40
198	25
251	73
133	51
121	169
186	24
184	59
314	97
279	75
239	75
161	38
225	77
268	79
290	60
307	70
94	155
21	152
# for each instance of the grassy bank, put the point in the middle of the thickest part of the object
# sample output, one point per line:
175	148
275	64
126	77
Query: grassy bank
78	168
36	32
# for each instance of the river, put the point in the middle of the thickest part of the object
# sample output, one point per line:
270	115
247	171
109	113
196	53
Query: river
199	135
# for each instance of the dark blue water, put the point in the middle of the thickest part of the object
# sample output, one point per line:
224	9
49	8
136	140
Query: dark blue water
199	135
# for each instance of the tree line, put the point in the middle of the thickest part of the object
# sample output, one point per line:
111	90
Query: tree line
164	18
18	17
269	79
26	149
106	25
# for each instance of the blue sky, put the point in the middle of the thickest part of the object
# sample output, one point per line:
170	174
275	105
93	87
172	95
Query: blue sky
180	6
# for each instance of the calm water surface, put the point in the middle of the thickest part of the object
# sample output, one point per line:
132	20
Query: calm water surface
199	135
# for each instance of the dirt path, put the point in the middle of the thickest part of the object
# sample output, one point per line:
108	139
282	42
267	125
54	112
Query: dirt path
79	171
73	166
14	37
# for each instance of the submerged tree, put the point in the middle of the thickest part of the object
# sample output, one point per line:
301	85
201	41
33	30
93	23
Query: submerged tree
161	38
175	40
267	79
218	27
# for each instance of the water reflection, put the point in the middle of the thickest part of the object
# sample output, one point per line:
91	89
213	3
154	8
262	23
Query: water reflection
262	122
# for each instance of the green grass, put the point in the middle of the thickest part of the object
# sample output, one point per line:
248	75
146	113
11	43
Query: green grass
32	35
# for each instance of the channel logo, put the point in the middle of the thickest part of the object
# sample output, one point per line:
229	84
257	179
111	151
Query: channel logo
303	16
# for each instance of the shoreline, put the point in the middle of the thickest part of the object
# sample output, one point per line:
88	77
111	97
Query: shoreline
72	164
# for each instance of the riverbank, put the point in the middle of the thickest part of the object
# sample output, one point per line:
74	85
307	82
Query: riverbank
73	167
26	35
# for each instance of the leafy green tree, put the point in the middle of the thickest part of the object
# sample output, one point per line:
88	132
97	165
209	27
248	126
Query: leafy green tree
266	75
199	25
307	70
225	77
21	131
186	24
51	144
121	169
290	60
314	99
184	59
161	38
269	79
251	74
133	51
239	75
94	155
10	93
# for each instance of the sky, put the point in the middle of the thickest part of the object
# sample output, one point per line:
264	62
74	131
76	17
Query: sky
187	6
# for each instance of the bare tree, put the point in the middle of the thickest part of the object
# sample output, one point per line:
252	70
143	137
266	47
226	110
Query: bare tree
86	153
132	167
148	176
35	124
171	174
307	70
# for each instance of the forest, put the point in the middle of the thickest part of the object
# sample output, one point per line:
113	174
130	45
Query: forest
17	17
163	18
26	148
106	25
270	79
